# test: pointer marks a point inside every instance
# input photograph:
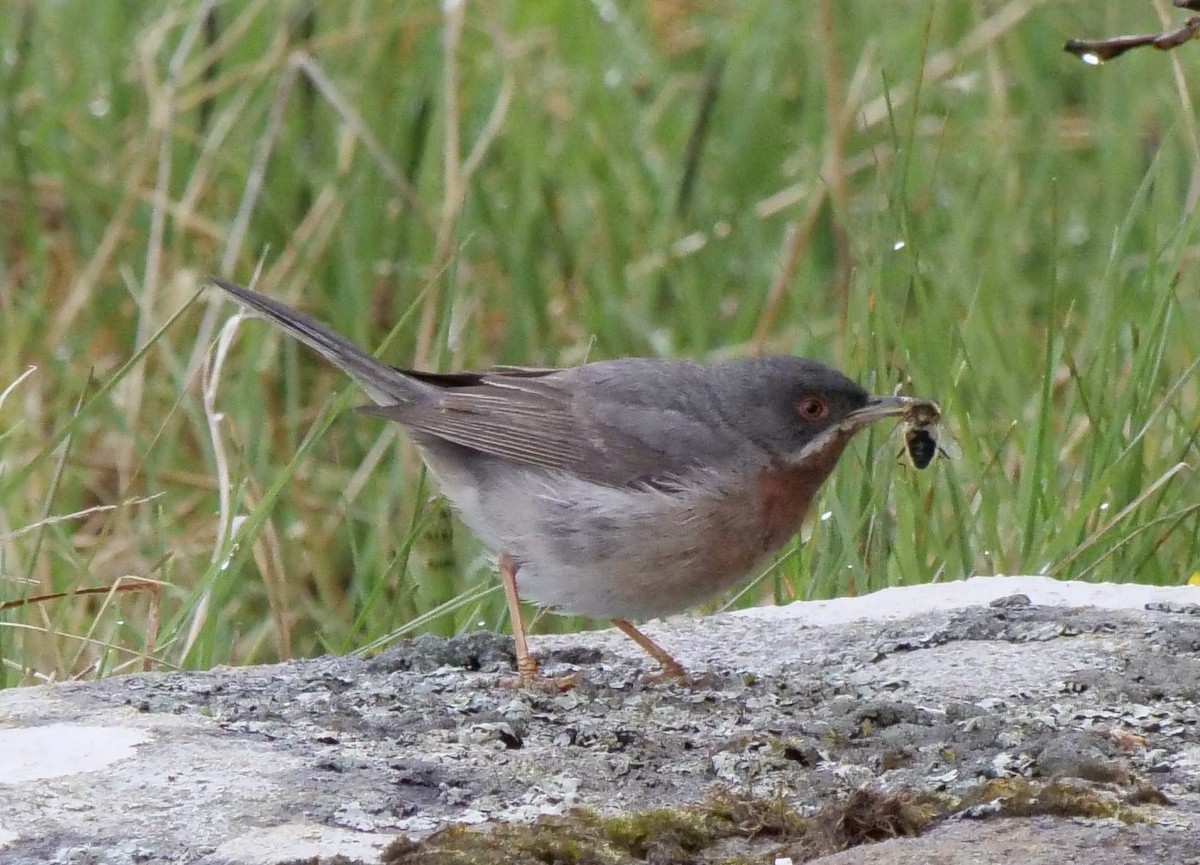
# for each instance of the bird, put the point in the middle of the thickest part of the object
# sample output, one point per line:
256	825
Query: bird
623	489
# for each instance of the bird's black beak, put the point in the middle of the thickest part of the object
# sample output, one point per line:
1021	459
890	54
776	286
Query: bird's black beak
880	408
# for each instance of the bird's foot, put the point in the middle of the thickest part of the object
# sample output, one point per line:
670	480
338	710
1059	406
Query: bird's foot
532	680
677	675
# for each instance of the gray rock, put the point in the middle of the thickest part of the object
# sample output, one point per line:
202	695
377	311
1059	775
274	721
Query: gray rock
1019	731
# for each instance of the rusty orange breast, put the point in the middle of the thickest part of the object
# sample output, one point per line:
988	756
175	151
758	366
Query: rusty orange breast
785	492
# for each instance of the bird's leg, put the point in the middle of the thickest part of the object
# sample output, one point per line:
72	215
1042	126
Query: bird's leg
670	667
526	665
527	668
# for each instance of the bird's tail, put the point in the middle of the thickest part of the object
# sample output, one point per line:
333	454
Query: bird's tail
385	385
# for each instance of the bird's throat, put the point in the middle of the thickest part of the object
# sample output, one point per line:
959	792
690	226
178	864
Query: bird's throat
786	491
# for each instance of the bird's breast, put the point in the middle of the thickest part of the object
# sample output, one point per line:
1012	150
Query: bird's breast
784	494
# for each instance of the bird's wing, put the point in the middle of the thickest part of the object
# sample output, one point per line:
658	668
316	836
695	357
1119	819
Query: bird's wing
540	418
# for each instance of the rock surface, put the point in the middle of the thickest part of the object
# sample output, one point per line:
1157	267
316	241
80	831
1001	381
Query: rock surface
997	720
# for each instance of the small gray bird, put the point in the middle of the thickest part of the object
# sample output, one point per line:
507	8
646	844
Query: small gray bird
621	489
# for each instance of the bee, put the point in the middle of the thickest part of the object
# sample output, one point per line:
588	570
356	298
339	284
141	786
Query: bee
921	444
921	434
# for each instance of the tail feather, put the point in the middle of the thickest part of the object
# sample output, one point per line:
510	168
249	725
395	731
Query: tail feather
385	385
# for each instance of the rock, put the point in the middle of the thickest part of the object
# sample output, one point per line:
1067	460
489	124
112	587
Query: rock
916	725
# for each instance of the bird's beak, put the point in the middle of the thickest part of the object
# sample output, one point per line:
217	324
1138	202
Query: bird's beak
916	410
879	408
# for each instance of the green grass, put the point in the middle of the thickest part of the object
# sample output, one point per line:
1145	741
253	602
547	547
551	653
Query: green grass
1011	232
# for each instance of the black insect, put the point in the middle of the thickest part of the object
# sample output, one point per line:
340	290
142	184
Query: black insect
921	444
921	435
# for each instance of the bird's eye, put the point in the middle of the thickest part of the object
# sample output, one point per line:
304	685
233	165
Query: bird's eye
812	408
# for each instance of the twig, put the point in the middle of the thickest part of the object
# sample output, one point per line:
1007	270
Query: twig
1096	51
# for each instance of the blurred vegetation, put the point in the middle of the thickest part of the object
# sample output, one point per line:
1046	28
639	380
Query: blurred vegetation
928	195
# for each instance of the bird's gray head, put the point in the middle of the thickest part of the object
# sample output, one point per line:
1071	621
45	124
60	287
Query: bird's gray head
794	408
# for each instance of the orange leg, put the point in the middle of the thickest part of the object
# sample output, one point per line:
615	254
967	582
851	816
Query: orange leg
526	665
670	667
527	668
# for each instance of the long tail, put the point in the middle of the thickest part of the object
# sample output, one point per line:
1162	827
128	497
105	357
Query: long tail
385	385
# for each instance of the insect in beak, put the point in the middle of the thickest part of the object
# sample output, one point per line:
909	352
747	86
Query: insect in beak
921	434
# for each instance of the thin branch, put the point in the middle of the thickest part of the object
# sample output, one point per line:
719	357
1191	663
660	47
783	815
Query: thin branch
1097	51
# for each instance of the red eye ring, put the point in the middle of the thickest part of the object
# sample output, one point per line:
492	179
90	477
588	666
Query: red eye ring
812	408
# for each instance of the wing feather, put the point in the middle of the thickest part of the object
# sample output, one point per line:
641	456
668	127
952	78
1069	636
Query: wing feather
539	418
